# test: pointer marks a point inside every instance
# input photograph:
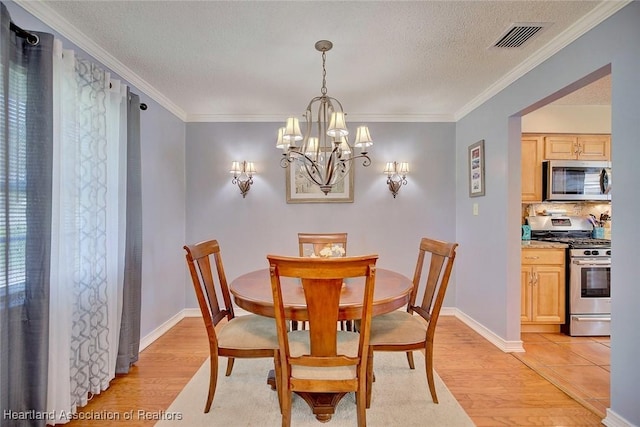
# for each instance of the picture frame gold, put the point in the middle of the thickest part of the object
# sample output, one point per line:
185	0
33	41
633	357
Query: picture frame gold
301	190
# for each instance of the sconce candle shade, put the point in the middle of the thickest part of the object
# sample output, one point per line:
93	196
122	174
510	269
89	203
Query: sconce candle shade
396	176
242	175
337	125
281	143
363	139
292	131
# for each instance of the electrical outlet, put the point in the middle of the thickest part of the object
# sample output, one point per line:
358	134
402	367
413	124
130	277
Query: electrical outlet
475	209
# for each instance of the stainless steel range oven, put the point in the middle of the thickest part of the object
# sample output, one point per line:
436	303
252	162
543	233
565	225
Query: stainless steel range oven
588	272
589	295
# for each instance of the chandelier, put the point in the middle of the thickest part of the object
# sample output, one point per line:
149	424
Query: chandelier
323	154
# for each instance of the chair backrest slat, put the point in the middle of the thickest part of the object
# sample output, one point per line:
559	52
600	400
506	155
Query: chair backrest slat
442	256
199	259
322	282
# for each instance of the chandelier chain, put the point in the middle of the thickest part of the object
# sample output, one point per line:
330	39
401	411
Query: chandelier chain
324	74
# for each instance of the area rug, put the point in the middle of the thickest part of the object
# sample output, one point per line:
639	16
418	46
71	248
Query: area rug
400	398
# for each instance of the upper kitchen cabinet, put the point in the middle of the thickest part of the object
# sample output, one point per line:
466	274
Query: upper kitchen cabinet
577	147
531	167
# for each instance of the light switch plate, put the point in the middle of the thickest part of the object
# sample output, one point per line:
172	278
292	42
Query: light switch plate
475	209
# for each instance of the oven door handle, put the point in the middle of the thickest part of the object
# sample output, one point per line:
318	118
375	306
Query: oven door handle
590	262
591	319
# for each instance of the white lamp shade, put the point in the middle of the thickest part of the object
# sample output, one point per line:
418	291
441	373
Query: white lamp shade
390	168
235	167
280	142
249	169
363	139
337	125
292	130
344	146
404	168
312	146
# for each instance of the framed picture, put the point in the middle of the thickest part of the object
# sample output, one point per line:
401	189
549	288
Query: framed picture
301	190
476	169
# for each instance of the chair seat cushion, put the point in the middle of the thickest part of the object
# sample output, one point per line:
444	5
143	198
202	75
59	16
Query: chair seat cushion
249	332
347	345
397	327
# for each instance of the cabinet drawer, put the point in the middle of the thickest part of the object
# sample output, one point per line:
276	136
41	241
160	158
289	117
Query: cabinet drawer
543	256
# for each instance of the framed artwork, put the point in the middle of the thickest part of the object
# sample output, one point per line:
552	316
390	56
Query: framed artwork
476	169
301	190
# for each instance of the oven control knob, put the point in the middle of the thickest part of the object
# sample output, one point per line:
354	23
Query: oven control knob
595	252
609	253
587	252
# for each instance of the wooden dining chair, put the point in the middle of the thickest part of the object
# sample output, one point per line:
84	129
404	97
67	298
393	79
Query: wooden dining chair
311	245
402	330
322	359
248	336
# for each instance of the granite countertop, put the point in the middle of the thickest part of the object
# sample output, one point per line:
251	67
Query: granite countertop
539	244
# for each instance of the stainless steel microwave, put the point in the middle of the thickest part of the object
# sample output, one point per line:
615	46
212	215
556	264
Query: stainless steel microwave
567	180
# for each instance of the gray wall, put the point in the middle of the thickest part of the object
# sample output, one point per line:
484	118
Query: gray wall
615	42
263	222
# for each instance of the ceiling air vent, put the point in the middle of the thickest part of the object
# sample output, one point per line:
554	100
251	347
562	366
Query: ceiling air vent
518	34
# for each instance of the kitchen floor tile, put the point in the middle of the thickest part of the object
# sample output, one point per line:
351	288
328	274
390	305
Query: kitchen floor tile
550	354
591	380
579	366
592	351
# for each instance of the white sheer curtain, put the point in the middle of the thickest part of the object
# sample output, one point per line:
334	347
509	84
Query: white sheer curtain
89	174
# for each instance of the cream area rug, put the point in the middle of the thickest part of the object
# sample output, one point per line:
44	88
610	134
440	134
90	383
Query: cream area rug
400	398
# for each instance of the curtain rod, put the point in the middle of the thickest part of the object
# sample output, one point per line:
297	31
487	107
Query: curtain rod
31	38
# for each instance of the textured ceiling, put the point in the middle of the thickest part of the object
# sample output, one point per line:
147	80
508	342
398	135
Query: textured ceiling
255	60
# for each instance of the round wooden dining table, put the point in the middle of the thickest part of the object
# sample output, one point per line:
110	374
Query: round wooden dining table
252	292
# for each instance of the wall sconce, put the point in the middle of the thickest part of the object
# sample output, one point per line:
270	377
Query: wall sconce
242	175
396	176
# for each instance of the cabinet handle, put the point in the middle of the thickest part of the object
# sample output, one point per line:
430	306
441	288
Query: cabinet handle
531	257
576	149
535	278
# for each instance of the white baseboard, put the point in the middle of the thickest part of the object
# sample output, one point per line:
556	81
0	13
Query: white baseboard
148	339
506	346
614	420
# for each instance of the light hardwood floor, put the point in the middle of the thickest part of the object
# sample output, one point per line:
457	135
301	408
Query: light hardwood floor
493	387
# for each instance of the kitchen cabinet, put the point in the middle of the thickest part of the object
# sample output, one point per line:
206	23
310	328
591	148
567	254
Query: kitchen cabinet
577	147
531	167
542	287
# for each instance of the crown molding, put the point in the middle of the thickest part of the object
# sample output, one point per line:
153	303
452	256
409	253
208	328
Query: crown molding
51	18
586	23
368	118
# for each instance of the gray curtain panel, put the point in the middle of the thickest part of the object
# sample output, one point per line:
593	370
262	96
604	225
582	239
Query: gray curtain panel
129	345
26	143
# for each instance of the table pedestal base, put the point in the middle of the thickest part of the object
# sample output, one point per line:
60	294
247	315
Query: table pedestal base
323	405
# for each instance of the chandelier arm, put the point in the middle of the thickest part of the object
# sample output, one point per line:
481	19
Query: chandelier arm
331	166
310	174
365	162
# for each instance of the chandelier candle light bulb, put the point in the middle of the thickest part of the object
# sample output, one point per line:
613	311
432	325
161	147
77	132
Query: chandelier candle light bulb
325	156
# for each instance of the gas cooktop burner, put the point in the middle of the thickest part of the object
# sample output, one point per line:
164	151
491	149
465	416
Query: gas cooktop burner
579	242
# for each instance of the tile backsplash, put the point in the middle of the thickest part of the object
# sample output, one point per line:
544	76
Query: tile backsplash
573	209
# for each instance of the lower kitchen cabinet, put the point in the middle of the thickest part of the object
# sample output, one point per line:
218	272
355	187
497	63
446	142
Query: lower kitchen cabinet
543	288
